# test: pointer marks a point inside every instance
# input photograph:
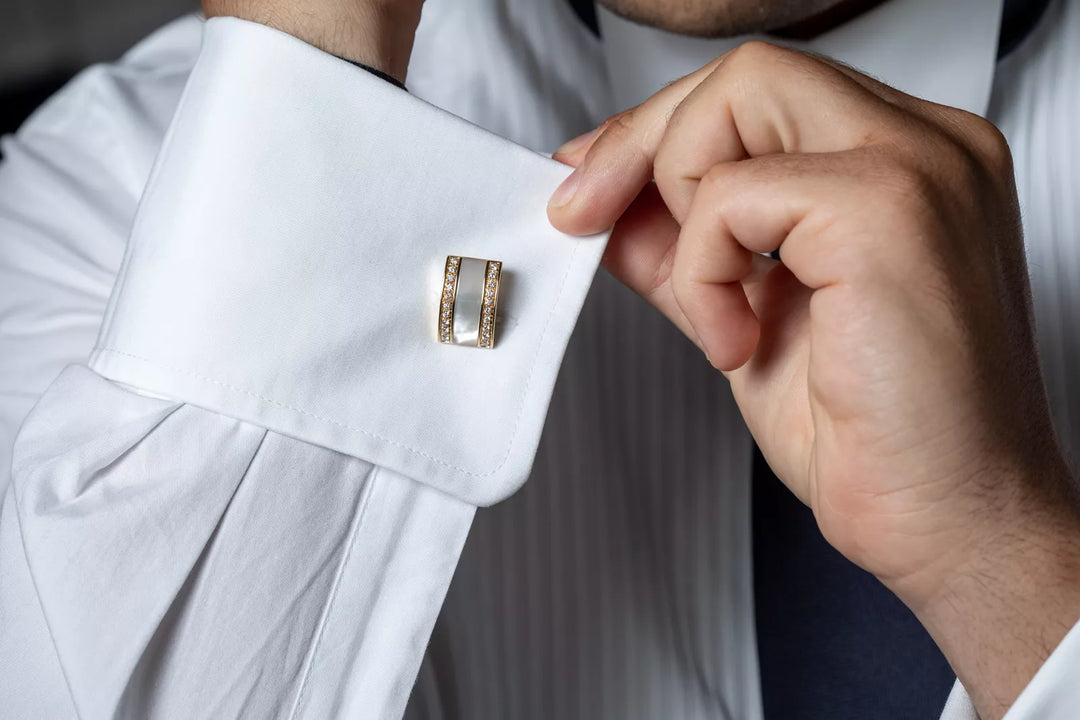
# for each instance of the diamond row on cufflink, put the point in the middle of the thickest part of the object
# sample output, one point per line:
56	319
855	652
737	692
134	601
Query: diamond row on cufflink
486	338
446	305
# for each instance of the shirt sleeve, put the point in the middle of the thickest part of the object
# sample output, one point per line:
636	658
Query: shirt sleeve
70	182
252	502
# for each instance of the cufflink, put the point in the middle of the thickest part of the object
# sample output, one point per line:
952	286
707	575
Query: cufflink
469	301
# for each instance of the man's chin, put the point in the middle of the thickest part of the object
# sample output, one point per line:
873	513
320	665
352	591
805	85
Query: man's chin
719	18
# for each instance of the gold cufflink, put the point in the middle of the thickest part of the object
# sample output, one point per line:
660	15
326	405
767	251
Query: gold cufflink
469	301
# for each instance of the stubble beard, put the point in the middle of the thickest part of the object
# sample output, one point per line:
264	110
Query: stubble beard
718	18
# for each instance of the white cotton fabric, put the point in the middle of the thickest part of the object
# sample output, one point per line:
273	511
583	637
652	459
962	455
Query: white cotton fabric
304	293
250	577
232	570
224	566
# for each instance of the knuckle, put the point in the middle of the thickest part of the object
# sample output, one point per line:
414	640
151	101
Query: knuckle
752	54
984	147
927	205
991	145
620	137
662	275
619	142
620	127
908	183
715	182
910	199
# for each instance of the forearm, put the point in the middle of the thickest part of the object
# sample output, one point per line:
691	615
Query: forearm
377	33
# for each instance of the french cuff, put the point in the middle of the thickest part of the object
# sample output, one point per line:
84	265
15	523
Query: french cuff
286	264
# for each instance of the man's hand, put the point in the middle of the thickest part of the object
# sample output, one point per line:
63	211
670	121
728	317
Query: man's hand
377	33
887	366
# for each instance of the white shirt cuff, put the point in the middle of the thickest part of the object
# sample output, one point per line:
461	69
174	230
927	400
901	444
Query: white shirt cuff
285	266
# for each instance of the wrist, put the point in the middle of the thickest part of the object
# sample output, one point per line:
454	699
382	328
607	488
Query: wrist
376	33
1004	597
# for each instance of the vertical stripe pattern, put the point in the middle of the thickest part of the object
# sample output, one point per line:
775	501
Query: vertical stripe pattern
617	583
1036	104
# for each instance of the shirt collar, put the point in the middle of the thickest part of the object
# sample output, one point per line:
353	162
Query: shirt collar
940	51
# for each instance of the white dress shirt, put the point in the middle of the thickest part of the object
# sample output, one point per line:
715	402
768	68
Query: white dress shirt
252	503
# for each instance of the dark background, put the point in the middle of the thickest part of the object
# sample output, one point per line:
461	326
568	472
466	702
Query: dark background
44	42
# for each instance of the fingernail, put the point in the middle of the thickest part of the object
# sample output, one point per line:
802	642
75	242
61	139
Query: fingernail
565	192
577	143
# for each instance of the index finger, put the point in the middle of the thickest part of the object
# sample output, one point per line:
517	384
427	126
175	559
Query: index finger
617	163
